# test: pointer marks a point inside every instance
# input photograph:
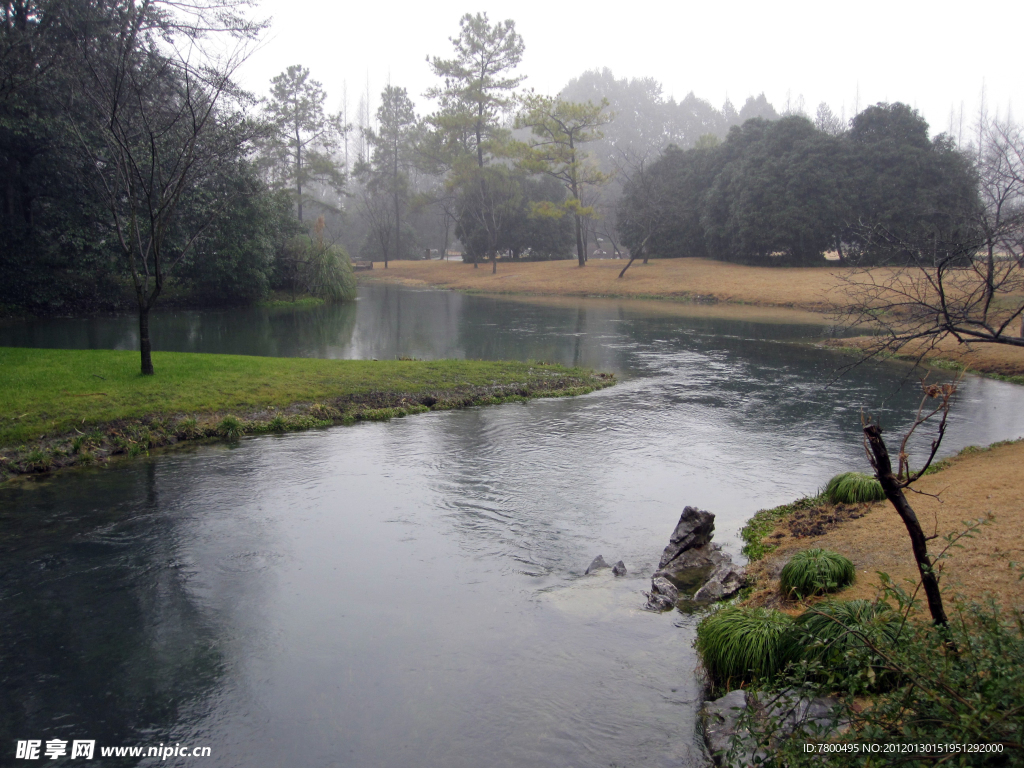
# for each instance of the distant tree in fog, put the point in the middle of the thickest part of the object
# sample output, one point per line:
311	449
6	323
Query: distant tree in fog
828	122
386	172
298	154
479	91
757	107
560	130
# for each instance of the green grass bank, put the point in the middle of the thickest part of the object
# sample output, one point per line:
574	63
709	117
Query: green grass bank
64	407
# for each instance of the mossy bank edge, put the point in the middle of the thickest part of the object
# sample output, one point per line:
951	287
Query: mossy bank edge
60	408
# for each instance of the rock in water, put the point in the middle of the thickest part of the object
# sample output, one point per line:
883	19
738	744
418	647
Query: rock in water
722	729
691	560
663	594
597	565
619	569
694	529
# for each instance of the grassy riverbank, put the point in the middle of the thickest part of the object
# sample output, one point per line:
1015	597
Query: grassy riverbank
64	407
694	281
974	484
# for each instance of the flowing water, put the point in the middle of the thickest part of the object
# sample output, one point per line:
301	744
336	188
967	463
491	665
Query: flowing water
411	593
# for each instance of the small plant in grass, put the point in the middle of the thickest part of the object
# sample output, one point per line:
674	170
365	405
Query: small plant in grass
853	488
37	460
815	572
230	427
740	644
277	424
188	429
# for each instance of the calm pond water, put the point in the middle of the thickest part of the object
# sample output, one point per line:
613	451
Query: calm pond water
412	593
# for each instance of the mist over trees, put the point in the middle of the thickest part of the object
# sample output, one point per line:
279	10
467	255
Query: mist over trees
244	190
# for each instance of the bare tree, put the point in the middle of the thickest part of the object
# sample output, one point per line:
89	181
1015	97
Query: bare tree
648	199
380	216
158	133
966	284
895	482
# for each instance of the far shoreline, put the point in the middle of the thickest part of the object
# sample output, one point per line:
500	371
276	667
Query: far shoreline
688	286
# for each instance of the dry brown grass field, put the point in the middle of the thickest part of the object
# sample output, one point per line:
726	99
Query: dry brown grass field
976	485
705	287
694	280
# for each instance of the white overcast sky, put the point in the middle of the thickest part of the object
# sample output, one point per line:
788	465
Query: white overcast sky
932	55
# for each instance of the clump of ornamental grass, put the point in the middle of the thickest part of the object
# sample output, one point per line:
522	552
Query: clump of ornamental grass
815	572
740	644
230	427
853	488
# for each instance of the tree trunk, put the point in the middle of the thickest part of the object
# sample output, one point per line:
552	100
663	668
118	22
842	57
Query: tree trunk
633	257
580	255
398	221
894	493
144	346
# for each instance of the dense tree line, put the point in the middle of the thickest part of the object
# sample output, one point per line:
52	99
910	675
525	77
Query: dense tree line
133	170
787	191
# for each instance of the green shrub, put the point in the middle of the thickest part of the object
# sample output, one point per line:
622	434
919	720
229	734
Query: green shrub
323	269
739	644
277	424
188	429
959	684
853	488
840	636
815	572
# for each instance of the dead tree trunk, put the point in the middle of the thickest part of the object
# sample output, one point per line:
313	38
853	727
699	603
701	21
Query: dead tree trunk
894	493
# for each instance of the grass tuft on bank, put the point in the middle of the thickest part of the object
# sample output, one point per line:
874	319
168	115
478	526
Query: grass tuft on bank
62	407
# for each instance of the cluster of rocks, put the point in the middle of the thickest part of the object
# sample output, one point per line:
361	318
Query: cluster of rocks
619	569
781	713
691	567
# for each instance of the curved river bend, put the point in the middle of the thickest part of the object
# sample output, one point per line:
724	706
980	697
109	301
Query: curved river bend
411	593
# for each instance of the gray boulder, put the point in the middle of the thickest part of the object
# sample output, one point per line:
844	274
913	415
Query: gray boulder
619	569
663	594
694	530
780	714
597	564
790	711
722	729
691	567
725	581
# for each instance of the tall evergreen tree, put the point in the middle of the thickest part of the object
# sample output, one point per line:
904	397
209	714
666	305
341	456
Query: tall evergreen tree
560	129
392	145
299	150
479	90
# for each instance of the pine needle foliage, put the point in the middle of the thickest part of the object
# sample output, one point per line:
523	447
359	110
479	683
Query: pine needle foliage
740	644
815	572
853	488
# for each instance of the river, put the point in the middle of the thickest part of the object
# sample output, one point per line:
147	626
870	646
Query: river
411	593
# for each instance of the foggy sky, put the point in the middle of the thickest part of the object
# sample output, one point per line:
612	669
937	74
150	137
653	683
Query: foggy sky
929	55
